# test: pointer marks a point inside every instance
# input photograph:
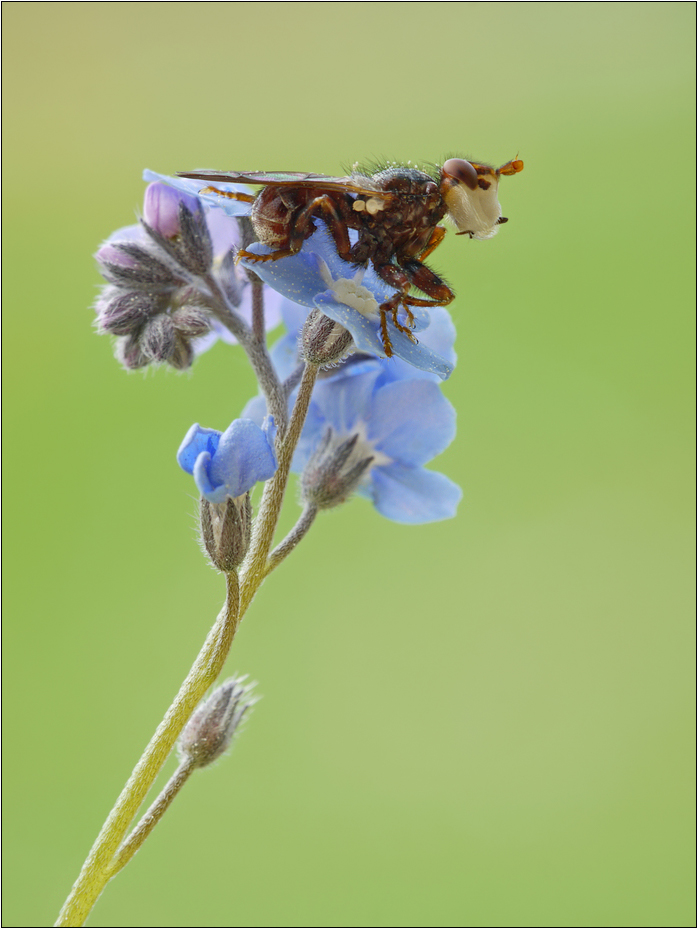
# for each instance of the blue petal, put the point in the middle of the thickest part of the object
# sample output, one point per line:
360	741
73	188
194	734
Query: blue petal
224	230
439	338
414	495
411	421
201	470
255	409
284	355
245	455
345	403
297	277
367	337
196	441
293	315
229	464
303	276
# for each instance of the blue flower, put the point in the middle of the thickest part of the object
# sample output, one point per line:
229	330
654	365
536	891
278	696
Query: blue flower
439	337
318	277
400	425
229	464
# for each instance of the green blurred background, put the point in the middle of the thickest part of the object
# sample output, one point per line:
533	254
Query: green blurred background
484	722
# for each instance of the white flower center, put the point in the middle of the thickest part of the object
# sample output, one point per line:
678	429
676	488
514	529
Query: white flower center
364	448
351	292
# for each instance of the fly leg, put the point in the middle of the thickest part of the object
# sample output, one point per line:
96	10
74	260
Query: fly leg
230	194
436	239
410	274
301	227
391	308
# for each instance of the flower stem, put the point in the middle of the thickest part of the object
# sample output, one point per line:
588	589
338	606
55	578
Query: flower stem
110	852
149	820
253	341
305	521
98	867
254	568
258	329
271	387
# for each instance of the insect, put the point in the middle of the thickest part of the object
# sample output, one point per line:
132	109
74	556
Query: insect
396	212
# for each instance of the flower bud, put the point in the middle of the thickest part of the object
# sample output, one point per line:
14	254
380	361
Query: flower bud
122	312
334	470
161	208
191	321
230	279
212	726
130	265
159	338
226	529
191	248
128	353
182	356
323	341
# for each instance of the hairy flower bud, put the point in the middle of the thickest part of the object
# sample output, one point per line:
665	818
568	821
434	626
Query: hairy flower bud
135	267
334	471
158	313
122	312
159	338
226	530
128	353
230	279
191	321
323	341
182	356
191	247
210	730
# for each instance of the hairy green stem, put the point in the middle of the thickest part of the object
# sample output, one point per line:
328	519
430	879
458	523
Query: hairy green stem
149	820
97	869
254	568
110	851
284	548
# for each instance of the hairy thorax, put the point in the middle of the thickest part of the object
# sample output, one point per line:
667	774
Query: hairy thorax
402	226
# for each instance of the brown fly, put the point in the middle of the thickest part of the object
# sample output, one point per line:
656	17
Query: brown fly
395	212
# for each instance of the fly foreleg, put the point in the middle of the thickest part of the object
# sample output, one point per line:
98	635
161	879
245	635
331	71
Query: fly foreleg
410	274
436	239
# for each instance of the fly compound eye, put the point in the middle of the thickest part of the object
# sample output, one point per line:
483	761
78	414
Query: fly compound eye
461	171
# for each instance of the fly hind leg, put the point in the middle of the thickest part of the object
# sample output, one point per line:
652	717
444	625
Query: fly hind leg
301	227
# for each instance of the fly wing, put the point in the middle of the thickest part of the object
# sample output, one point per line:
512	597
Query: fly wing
352	184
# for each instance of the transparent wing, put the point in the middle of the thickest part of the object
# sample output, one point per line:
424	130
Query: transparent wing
351	184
